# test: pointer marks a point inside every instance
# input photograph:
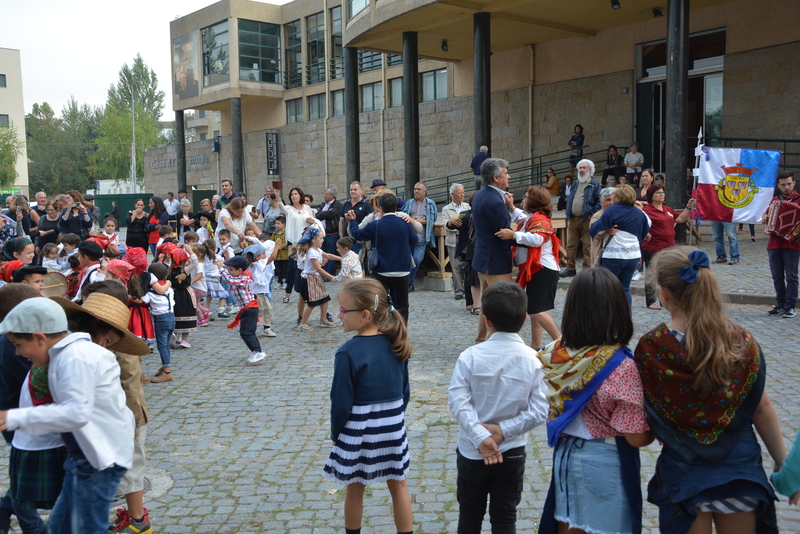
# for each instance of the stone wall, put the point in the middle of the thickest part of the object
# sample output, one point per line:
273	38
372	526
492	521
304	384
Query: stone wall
760	93
596	103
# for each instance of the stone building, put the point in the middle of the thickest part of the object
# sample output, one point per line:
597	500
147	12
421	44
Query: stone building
550	65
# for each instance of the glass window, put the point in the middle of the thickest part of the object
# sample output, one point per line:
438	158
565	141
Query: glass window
396	92
216	133
372	97
337	98
294	111
337	55
315	45
4	122
293	75
368	61
2	80
202	114
259	51
316	107
392	60
434	85
203	136
216	62
705	50
357	6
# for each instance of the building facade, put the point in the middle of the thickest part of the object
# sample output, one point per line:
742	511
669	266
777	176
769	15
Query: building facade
12	111
552	66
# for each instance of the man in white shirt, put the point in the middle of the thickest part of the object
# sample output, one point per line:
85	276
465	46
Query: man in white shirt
497	394
451	215
172	205
88	410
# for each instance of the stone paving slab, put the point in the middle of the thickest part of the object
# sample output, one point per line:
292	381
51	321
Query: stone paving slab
242	446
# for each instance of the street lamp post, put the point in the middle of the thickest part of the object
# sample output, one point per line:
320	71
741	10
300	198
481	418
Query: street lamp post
133	135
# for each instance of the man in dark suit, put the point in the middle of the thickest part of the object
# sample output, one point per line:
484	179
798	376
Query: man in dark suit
490	213
329	215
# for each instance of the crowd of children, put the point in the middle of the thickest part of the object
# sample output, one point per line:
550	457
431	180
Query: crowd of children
74	404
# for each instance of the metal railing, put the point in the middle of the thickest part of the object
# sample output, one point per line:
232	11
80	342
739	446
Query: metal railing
293	78
337	67
790	148
315	72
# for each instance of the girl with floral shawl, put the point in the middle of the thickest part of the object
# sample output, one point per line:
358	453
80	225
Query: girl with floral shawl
703	380
596	420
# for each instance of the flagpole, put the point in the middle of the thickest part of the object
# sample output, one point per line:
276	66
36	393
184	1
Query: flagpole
694	177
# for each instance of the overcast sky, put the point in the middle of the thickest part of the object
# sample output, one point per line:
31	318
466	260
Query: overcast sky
77	47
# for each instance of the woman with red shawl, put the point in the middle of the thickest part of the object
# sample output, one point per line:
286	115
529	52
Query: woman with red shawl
536	255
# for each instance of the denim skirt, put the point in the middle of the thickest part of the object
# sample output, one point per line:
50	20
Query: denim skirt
588	486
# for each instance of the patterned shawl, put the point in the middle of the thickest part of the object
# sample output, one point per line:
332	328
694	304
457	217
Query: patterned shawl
539	224
692	419
572	377
39	385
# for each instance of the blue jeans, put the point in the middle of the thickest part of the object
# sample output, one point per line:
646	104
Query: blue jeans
229	300
418	253
719	241
623	270
164	324
28	517
85	498
357	247
783	264
248	321
329	246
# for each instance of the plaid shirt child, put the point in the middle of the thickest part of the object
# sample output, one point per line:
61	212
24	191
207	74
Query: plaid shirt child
351	267
241	287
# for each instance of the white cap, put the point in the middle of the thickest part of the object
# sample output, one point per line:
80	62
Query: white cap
35	315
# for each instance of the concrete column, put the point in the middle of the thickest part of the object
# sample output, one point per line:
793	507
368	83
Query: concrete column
180	149
411	110
483	83
237	145
351	127
677	117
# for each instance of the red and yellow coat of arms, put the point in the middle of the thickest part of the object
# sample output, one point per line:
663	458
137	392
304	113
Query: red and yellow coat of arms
736	190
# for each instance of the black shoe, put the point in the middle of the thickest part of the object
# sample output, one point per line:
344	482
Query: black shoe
411	288
788	313
566	273
329	317
459	297
299	320
777	310
223	315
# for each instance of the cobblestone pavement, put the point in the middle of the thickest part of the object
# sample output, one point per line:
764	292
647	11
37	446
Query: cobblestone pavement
240	448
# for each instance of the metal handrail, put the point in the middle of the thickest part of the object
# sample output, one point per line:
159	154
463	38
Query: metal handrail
337	67
293	78
315	72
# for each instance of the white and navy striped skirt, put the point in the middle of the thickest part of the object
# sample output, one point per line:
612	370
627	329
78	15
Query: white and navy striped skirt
373	446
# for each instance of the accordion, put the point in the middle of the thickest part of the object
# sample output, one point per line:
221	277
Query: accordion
783	220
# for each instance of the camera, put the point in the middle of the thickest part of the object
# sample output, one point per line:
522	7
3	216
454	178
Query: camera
76	204
273	197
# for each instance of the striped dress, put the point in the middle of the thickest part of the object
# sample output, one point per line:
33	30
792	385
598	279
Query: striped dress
367	419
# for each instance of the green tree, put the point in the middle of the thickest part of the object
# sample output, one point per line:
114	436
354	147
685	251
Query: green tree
10	150
60	148
112	159
144	80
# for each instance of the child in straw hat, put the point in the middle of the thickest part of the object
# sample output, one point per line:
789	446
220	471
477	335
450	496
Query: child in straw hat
88	404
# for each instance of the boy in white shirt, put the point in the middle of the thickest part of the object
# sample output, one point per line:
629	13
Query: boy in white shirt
497	394
261	258
88	410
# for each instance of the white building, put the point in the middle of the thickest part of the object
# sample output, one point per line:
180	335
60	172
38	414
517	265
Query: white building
12	110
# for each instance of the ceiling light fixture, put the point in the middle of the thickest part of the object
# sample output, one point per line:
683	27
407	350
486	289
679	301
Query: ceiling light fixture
657	13
444	45
615	4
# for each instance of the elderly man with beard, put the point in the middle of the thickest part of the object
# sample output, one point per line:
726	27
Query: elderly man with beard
583	202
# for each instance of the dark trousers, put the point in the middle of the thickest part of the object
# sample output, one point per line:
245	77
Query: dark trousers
501	483
281	268
615	172
783	263
28	517
248	320
291	275
329	246
397	287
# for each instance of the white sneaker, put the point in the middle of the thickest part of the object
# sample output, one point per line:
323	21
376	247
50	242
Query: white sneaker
256	357
269	333
637	276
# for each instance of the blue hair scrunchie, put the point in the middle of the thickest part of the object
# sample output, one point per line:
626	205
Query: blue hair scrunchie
699	260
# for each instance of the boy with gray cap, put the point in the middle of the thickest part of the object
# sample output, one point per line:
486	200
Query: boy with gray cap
88	409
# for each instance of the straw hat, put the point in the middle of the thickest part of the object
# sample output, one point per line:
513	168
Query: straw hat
113	312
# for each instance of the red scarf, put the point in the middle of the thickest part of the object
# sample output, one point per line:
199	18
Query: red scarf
540	224
8	268
235	323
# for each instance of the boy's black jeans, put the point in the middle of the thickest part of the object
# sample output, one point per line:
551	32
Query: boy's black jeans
247	329
502	483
